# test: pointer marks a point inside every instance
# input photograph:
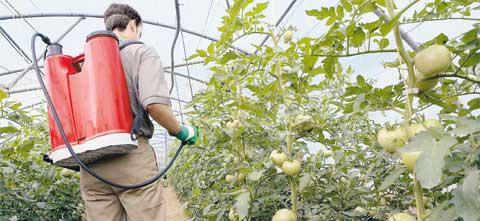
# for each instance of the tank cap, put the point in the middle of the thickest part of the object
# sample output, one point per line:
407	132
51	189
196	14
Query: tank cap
53	49
100	33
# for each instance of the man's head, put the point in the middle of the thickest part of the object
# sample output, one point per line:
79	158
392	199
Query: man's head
124	21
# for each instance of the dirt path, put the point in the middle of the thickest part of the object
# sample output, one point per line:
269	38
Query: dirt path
174	208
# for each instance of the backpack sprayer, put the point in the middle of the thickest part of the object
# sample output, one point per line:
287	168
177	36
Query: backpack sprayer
89	107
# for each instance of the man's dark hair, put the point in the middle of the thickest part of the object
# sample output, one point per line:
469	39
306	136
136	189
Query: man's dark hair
117	16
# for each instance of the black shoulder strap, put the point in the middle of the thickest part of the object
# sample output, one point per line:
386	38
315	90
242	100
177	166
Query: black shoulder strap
124	44
140	114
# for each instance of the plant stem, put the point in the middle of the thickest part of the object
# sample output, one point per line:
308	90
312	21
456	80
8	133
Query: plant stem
408	107
293	186
287	124
440	19
417	187
352	54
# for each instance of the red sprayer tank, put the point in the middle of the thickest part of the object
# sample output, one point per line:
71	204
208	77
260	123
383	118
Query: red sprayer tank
91	97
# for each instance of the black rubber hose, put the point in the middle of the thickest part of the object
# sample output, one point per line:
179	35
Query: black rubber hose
64	137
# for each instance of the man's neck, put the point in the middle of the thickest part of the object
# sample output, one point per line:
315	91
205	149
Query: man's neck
121	36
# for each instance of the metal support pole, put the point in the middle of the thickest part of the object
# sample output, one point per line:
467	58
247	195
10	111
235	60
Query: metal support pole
33	105
167	71
412	43
183	65
16	71
24	90
25	71
166	150
101	16
178	96
15	46
189	77
39	88
277	24
228	4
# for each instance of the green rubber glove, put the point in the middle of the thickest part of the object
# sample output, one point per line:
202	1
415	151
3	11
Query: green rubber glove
188	133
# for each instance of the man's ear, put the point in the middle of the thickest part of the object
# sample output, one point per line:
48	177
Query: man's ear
132	26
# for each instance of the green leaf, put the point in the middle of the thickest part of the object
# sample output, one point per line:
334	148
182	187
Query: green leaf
340	12
41	205
228	57
242	204
15	106
358	37
470	36
431	162
8	129
346	4
259	8
381	2
442	212
369	7
383	43
3	94
304	181
467	197
391	178
329	65
202	53
465	126
2	187
309	62
358	102
385	28
392	64
26	146
255	176
472	60
474	104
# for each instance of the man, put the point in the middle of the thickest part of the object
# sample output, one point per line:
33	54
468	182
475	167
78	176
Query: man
148	92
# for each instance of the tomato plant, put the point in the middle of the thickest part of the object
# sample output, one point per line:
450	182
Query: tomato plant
31	189
263	111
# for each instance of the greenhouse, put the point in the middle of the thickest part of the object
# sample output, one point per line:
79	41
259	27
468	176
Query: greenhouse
240	110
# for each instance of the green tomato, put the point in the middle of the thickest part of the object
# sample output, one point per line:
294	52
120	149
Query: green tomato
433	60
241	176
360	211
232	127
291	168
424	85
303	123
278	157
402	217
229	178
432	123
414	129
391	140
67	173
383	201
287	36
327	153
232	215
410	159
284	215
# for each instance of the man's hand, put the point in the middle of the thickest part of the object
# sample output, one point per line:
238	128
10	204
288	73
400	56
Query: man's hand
164	116
188	133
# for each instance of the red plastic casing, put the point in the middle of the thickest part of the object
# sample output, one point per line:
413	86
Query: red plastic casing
91	102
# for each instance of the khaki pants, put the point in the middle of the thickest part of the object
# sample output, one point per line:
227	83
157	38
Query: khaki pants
104	202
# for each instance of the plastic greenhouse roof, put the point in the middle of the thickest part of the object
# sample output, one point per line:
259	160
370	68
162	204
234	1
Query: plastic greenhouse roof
200	18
